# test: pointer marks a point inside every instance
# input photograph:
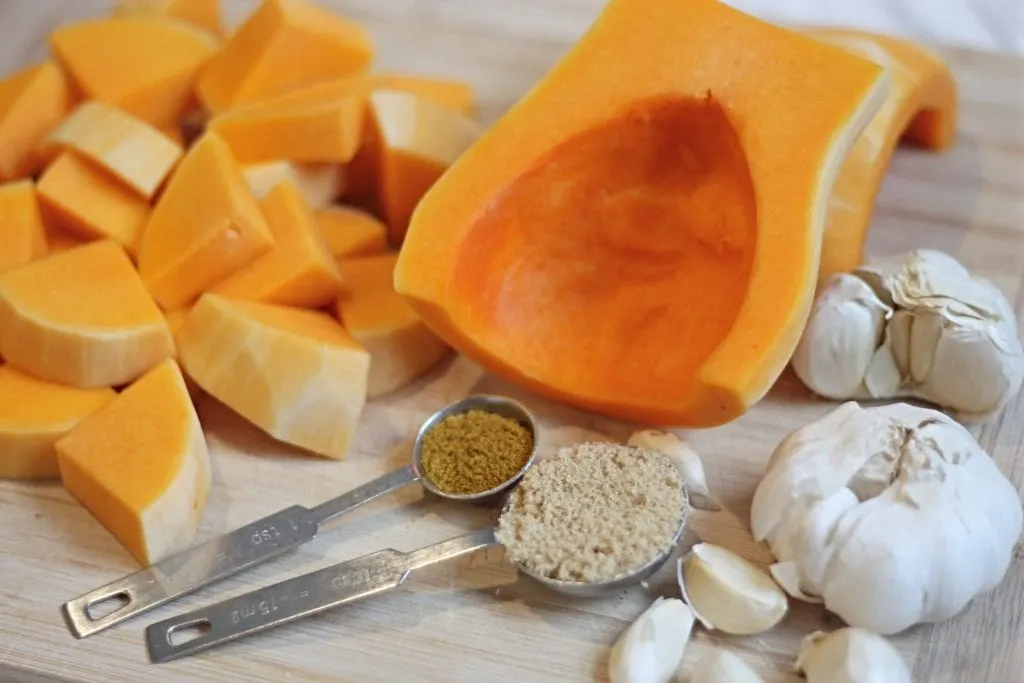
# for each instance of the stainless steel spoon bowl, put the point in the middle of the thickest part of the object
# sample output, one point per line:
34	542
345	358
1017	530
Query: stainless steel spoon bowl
499	405
592	589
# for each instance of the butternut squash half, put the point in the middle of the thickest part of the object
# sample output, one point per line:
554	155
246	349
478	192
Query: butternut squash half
640	234
921	108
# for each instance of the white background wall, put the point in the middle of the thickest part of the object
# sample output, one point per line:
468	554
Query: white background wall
987	24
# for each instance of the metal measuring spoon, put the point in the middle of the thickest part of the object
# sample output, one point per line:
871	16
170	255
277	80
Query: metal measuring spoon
348	582
271	536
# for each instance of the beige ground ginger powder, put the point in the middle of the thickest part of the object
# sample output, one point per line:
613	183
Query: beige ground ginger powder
593	512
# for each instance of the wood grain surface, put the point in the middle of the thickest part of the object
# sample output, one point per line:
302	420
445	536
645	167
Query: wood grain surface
474	620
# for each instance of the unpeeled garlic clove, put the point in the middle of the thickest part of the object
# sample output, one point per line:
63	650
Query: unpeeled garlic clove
837	345
850	655
729	593
686	461
651	649
720	666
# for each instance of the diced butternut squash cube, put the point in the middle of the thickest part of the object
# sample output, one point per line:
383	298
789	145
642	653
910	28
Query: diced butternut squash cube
416	141
32	102
401	347
130	149
299	270
140	465
174	133
283	45
295	374
61	240
319	184
351	232
205	226
77	196
450	94
145	66
22	236
81	318
268	131
34	414
203	13
175	320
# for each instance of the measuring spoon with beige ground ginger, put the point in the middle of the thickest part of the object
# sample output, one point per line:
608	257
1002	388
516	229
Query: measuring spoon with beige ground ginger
582	558
274	535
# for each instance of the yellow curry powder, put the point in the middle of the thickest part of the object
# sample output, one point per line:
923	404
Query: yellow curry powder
474	452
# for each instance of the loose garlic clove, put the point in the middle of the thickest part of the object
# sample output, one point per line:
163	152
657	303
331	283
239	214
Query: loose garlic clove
729	593
686	461
720	666
840	338
850	655
787	575
651	649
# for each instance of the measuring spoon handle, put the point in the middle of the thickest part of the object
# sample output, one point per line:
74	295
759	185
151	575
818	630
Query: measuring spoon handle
219	558
299	597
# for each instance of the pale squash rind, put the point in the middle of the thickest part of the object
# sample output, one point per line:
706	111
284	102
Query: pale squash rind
300	379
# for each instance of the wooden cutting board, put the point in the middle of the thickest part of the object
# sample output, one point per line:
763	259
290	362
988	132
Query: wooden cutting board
473	620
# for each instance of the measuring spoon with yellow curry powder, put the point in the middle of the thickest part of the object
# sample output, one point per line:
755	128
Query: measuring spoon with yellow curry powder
382	571
271	536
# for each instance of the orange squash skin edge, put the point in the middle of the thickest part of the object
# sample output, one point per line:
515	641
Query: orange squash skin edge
921	109
599	77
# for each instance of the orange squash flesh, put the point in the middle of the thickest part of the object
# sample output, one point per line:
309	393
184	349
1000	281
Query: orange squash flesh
921	107
351	232
32	102
175	321
205	226
146	66
203	13
130	149
415	141
81	318
140	465
295	374
34	414
640	234
58	240
363	168
22	236
448	93
269	131
319	184
79	197
299	270
401	347
283	45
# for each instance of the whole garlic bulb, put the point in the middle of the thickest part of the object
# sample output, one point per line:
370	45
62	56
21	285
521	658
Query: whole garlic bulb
891	516
850	655
915	325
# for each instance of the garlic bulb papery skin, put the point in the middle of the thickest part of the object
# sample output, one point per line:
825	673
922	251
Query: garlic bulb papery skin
850	655
685	459
891	516
729	593
720	666
916	325
651	649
